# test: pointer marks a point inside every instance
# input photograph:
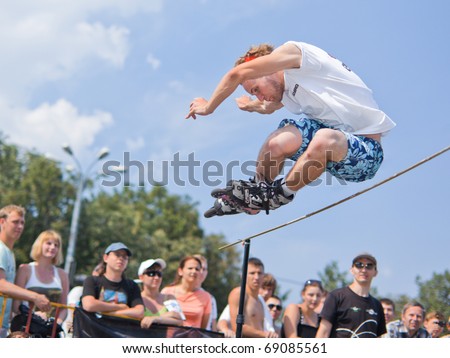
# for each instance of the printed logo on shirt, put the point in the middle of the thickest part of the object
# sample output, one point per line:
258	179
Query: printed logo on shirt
294	91
342	63
346	67
355	309
114	296
371	312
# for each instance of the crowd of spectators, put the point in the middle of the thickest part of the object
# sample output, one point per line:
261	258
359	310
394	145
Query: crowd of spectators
349	311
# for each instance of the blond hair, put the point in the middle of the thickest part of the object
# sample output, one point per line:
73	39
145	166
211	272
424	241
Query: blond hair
435	314
6	210
254	52
36	249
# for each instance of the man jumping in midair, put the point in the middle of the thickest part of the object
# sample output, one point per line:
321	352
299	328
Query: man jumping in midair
339	127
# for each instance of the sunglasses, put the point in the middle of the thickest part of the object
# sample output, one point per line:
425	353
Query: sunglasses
153	273
360	265
272	306
439	323
312	282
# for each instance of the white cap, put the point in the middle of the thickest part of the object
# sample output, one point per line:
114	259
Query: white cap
150	262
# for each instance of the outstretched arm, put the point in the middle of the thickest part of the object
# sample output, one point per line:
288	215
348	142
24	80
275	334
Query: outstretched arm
284	57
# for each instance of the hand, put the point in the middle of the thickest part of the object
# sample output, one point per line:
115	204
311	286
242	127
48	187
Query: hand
271	335
42	302
228	333
244	102
146	322
198	106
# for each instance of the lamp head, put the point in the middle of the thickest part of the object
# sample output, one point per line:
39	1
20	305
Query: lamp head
103	153
67	149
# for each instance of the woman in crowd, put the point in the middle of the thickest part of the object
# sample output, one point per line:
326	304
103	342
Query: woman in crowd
159	307
195	302
301	320
112	292
42	275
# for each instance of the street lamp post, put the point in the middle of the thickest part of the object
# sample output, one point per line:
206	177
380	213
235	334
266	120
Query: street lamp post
69	265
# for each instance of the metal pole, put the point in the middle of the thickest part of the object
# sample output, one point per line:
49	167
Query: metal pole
69	265
240	315
70	257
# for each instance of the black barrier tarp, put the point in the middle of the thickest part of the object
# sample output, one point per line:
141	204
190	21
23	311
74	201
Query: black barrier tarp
92	325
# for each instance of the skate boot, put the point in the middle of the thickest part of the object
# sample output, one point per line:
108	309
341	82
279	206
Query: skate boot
225	206
256	196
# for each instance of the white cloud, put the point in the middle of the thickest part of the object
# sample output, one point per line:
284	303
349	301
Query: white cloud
153	61
134	144
49	126
49	45
107	43
51	40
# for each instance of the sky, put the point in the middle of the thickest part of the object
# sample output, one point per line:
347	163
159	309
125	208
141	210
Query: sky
121	74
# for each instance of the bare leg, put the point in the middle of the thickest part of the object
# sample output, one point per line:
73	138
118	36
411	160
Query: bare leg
281	144
327	145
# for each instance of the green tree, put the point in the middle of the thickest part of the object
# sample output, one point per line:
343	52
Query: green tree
36	183
153	224
332	278
434	293
11	171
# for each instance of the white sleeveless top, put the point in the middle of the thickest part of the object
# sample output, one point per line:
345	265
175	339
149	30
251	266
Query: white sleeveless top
52	289
325	89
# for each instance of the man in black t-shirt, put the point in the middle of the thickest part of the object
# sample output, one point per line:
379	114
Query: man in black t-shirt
351	312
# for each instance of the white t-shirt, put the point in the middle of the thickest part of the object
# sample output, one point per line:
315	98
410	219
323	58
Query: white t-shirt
325	89
213	315
7	264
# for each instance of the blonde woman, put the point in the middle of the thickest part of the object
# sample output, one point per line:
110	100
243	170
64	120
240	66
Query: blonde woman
42	275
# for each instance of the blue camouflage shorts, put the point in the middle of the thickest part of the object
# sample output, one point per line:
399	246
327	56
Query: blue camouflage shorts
364	155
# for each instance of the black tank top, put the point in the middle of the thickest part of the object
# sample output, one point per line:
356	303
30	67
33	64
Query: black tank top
303	330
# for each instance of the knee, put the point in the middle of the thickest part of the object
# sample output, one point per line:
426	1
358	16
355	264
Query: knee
327	142
284	142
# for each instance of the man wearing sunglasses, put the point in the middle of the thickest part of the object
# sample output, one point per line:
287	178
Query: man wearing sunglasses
275	307
351	312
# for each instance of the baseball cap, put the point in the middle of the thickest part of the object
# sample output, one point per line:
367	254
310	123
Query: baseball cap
116	246
366	256
150	262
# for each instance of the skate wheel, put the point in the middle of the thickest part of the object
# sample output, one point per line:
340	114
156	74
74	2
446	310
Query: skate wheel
218	193
210	213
